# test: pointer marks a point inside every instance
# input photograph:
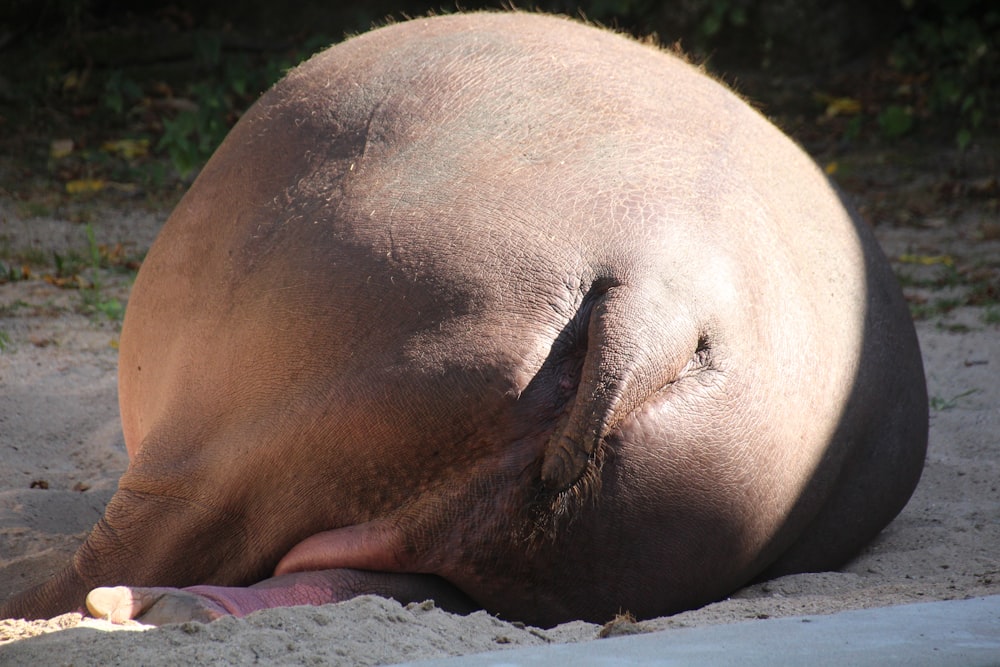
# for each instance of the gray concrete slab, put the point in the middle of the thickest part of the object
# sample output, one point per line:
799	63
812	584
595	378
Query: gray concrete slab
957	632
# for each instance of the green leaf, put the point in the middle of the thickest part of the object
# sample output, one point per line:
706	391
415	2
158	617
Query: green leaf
895	121
963	138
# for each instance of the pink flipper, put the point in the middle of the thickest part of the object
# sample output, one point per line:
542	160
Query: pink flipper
159	606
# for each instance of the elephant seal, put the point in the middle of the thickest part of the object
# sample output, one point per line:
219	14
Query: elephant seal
507	311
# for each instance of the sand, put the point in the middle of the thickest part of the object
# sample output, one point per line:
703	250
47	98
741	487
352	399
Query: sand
61	452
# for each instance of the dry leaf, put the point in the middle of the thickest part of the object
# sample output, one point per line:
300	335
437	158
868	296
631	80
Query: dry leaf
60	148
842	106
127	148
79	186
927	260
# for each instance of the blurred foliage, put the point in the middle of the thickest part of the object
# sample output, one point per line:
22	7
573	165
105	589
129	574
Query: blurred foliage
175	76
949	53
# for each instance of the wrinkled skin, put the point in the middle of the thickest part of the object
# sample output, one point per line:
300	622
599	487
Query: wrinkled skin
509	312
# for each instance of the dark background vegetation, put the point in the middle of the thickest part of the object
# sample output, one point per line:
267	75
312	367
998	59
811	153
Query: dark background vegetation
94	92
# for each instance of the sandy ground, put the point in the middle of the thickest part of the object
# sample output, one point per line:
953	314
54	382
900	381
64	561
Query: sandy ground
61	452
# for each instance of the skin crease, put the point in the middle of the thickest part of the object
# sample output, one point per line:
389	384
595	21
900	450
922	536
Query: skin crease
510	312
